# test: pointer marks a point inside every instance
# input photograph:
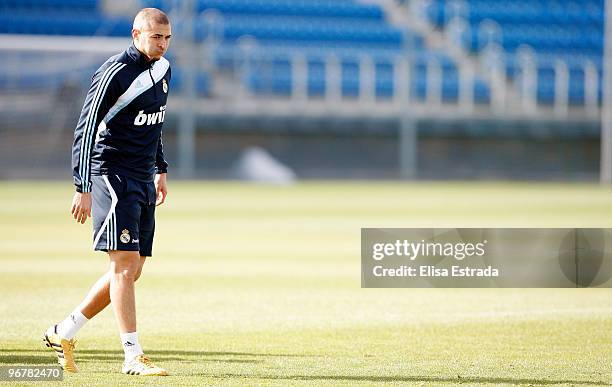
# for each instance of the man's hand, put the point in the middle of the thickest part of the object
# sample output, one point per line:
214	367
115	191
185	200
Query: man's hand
161	188
81	206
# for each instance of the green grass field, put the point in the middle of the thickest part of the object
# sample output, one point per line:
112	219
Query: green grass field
260	285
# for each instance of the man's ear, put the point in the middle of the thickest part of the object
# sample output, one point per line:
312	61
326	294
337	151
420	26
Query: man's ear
135	33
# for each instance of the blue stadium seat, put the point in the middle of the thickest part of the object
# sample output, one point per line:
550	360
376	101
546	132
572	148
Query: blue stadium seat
569	30
304	8
315	28
49	5
63	23
203	83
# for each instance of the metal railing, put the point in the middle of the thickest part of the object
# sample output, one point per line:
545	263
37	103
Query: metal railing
500	93
399	87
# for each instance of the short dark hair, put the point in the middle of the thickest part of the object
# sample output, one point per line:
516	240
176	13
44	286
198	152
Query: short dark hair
152	15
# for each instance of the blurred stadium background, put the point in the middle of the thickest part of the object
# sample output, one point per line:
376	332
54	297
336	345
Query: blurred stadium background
373	89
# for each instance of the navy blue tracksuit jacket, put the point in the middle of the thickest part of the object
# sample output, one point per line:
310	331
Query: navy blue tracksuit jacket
120	127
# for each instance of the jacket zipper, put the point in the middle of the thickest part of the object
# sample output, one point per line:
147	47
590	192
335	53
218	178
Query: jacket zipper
153	80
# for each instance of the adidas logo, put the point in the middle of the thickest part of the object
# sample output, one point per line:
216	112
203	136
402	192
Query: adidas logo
135	240
128	344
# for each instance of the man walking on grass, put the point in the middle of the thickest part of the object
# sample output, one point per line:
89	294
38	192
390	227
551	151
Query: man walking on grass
120	177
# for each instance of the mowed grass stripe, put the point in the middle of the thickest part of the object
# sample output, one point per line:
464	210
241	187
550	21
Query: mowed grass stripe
260	285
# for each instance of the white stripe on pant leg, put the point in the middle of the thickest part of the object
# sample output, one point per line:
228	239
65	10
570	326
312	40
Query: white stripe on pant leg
110	232
114	228
111	213
111	227
104	227
114	231
109	241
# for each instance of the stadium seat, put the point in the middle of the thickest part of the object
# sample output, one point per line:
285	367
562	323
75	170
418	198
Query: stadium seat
314	28
567	30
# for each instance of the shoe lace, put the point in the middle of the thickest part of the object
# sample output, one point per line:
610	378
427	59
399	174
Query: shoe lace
71	345
146	361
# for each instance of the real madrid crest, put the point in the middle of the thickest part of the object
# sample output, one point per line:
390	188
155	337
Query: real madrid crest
125	236
165	86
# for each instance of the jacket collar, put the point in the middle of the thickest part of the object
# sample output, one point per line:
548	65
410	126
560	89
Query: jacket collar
138	57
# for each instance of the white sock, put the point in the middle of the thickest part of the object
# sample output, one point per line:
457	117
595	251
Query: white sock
131	347
71	325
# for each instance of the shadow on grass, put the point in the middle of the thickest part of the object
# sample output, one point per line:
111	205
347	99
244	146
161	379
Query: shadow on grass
111	352
407	379
31	356
19	359
199	353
